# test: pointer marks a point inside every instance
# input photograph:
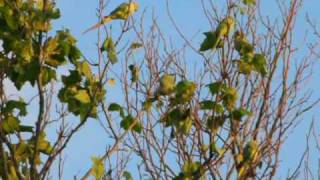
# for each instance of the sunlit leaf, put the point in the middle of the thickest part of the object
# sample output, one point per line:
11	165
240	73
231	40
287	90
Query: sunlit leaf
244	67
167	84
10	124
111	82
83	96
249	2
84	68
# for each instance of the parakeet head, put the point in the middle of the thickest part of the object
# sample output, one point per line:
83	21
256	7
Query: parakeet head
238	34
133	6
230	21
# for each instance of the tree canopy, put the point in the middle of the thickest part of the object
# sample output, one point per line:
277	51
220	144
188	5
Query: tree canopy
222	114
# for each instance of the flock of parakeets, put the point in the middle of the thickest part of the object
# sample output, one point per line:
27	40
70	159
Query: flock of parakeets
122	12
213	38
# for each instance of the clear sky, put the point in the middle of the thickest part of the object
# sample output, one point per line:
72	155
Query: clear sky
77	15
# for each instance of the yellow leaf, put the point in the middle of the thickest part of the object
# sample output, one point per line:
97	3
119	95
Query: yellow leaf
111	82
82	96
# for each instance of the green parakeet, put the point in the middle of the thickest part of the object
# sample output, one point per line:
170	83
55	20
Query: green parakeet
184	91
241	44
225	26
260	63
122	12
212	41
214	38
134	73
251	151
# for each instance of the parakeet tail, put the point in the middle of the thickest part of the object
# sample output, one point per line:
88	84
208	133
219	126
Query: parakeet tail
104	21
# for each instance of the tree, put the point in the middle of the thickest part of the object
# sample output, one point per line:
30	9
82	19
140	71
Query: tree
228	121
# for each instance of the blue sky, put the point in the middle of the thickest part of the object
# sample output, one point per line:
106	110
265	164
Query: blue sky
78	15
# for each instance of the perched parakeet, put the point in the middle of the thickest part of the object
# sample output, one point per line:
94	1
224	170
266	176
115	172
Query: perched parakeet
122	12
225	26
214	38
184	91
242	44
212	41
251	151
260	64
134	73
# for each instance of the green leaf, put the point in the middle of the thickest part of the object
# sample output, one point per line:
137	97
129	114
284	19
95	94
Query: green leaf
128	121
207	105
83	96
51	50
48	74
216	87
25	50
215	149
211	105
127	175
9	17
238	114
24	128
244	67
189	168
22	152
84	68
215	122
180	118
20	105
109	46
249	2
74	54
116	107
185	125
147	105
10	124
55	14
44	146
167	84
72	79
138	127
230	97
